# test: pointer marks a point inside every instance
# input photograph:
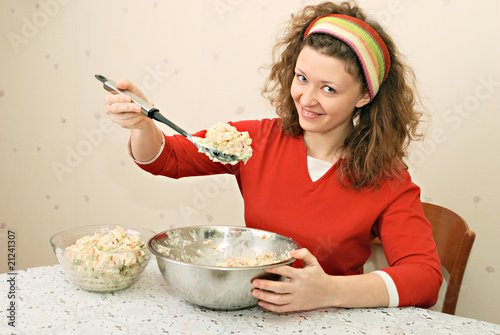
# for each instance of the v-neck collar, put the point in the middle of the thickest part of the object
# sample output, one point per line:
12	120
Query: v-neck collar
305	167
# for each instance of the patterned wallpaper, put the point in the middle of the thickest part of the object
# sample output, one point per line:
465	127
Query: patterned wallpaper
64	164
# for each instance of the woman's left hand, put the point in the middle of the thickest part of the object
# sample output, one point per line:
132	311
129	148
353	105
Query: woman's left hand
307	288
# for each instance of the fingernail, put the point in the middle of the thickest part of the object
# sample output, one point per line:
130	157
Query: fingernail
256	284
255	293
126	98
137	108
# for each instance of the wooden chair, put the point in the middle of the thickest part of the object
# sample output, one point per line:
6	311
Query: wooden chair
454	242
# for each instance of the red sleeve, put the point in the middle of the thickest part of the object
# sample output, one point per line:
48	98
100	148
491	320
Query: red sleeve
409	247
180	158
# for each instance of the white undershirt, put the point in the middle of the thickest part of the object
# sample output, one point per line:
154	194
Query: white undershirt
317	168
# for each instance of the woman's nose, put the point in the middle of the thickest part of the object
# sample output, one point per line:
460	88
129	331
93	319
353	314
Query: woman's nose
308	97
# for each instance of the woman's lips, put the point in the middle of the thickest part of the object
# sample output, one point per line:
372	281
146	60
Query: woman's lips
308	114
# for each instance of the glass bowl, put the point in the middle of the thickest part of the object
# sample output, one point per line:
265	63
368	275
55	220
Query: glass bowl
103	271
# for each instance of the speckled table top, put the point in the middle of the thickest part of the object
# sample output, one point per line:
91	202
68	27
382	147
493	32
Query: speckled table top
47	302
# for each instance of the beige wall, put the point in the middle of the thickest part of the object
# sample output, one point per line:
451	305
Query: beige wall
63	164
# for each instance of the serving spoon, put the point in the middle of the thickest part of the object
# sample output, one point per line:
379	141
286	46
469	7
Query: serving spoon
154	113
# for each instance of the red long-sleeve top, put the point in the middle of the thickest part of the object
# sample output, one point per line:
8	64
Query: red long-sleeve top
335	223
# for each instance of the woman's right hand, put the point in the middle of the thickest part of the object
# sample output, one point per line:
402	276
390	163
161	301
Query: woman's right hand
145	138
122	110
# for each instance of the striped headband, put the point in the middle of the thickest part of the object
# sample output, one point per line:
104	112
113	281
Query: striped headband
370	49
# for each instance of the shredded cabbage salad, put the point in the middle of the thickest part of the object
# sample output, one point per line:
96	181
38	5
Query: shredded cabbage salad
228	140
259	259
104	262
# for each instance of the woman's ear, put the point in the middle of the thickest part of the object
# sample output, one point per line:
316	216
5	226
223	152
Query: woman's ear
365	98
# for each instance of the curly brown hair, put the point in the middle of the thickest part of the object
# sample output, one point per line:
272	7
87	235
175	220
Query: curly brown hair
383	128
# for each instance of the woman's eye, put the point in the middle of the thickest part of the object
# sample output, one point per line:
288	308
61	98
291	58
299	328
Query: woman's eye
328	89
301	78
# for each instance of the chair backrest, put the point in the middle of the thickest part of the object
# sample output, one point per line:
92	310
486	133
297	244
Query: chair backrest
454	242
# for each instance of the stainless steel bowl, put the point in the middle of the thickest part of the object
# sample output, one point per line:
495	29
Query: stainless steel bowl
189	259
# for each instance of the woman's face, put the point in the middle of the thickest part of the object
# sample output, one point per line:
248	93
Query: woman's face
325	95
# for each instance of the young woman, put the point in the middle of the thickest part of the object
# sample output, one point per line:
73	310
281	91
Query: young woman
328	172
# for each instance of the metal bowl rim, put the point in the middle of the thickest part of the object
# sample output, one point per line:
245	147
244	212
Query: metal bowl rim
222	268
